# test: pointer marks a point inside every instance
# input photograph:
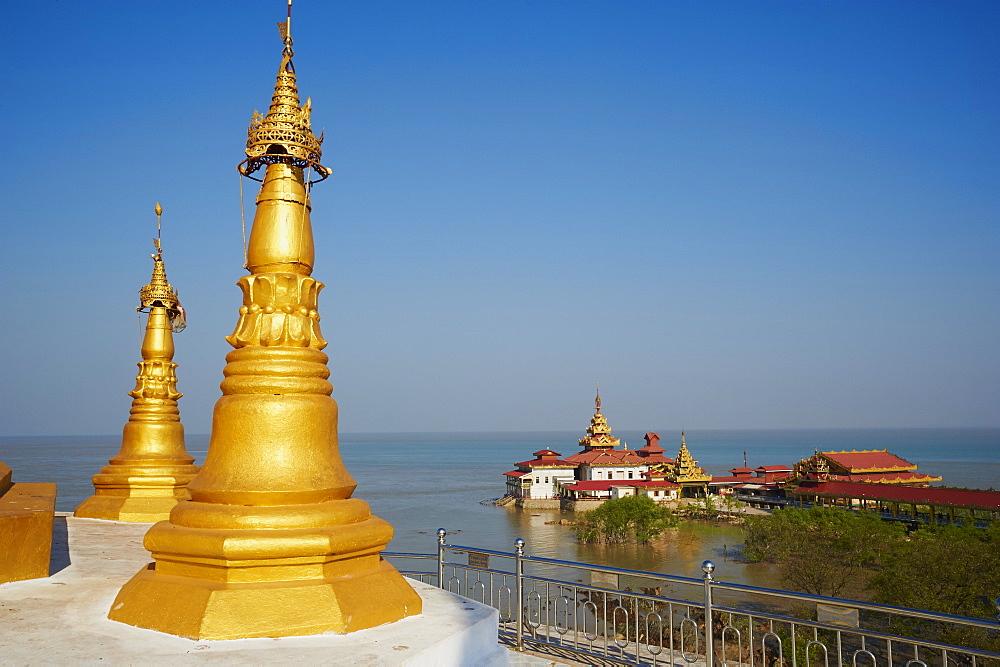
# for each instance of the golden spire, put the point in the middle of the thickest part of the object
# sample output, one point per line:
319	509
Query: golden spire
686	469
272	542
599	432
285	134
281	239
158	292
148	476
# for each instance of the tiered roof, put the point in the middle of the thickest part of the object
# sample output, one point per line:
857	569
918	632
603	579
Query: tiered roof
598	433
606	457
599	446
873	466
686	470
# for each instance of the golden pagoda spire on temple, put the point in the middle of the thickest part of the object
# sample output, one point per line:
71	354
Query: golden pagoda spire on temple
148	476
686	471
599	432
272	544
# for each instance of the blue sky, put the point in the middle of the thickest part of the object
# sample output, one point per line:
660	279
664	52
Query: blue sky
731	214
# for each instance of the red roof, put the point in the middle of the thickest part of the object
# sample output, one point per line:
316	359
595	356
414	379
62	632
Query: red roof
933	495
658	483
545	452
904	476
737	471
734	479
653	459
591	485
605	485
869	461
516	473
773	469
546	463
607	457
651	445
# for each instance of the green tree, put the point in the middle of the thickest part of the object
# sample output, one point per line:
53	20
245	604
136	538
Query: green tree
704	507
948	569
820	550
620	520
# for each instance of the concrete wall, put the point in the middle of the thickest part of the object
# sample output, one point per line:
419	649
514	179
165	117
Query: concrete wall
538	503
568	505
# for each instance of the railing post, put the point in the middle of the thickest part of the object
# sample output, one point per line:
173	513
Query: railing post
441	532
708	567
518	572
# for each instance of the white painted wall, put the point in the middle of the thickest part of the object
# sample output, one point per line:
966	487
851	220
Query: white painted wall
615	472
545	481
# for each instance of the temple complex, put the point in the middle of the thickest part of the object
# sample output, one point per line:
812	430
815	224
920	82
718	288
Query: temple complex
149	475
602	470
541	482
272	543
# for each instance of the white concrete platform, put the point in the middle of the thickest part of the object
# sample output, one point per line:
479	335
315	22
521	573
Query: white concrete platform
63	619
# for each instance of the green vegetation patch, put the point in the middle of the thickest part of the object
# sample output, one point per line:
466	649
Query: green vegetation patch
620	520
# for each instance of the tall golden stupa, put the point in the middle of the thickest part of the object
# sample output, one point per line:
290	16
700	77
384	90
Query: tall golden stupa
272	543
148	476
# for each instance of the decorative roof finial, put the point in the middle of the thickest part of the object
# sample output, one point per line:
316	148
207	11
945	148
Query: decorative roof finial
285	134
286	32
159	293
597	401
158	210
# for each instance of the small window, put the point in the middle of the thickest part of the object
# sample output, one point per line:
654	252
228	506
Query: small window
630	474
546	480
536	480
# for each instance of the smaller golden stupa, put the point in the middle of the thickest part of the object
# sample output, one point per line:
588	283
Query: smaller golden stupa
686	471
149	476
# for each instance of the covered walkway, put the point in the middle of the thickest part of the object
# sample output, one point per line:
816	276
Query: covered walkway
902	503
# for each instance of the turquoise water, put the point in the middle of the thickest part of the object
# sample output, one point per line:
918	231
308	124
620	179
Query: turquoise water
422	481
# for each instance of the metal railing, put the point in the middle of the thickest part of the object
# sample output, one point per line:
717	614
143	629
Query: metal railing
629	616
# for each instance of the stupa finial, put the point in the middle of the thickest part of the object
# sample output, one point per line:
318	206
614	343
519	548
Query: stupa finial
158	292
285	134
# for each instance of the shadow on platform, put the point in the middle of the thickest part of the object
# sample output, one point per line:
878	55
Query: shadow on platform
59	555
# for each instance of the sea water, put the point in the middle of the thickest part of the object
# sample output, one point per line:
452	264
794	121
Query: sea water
420	482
